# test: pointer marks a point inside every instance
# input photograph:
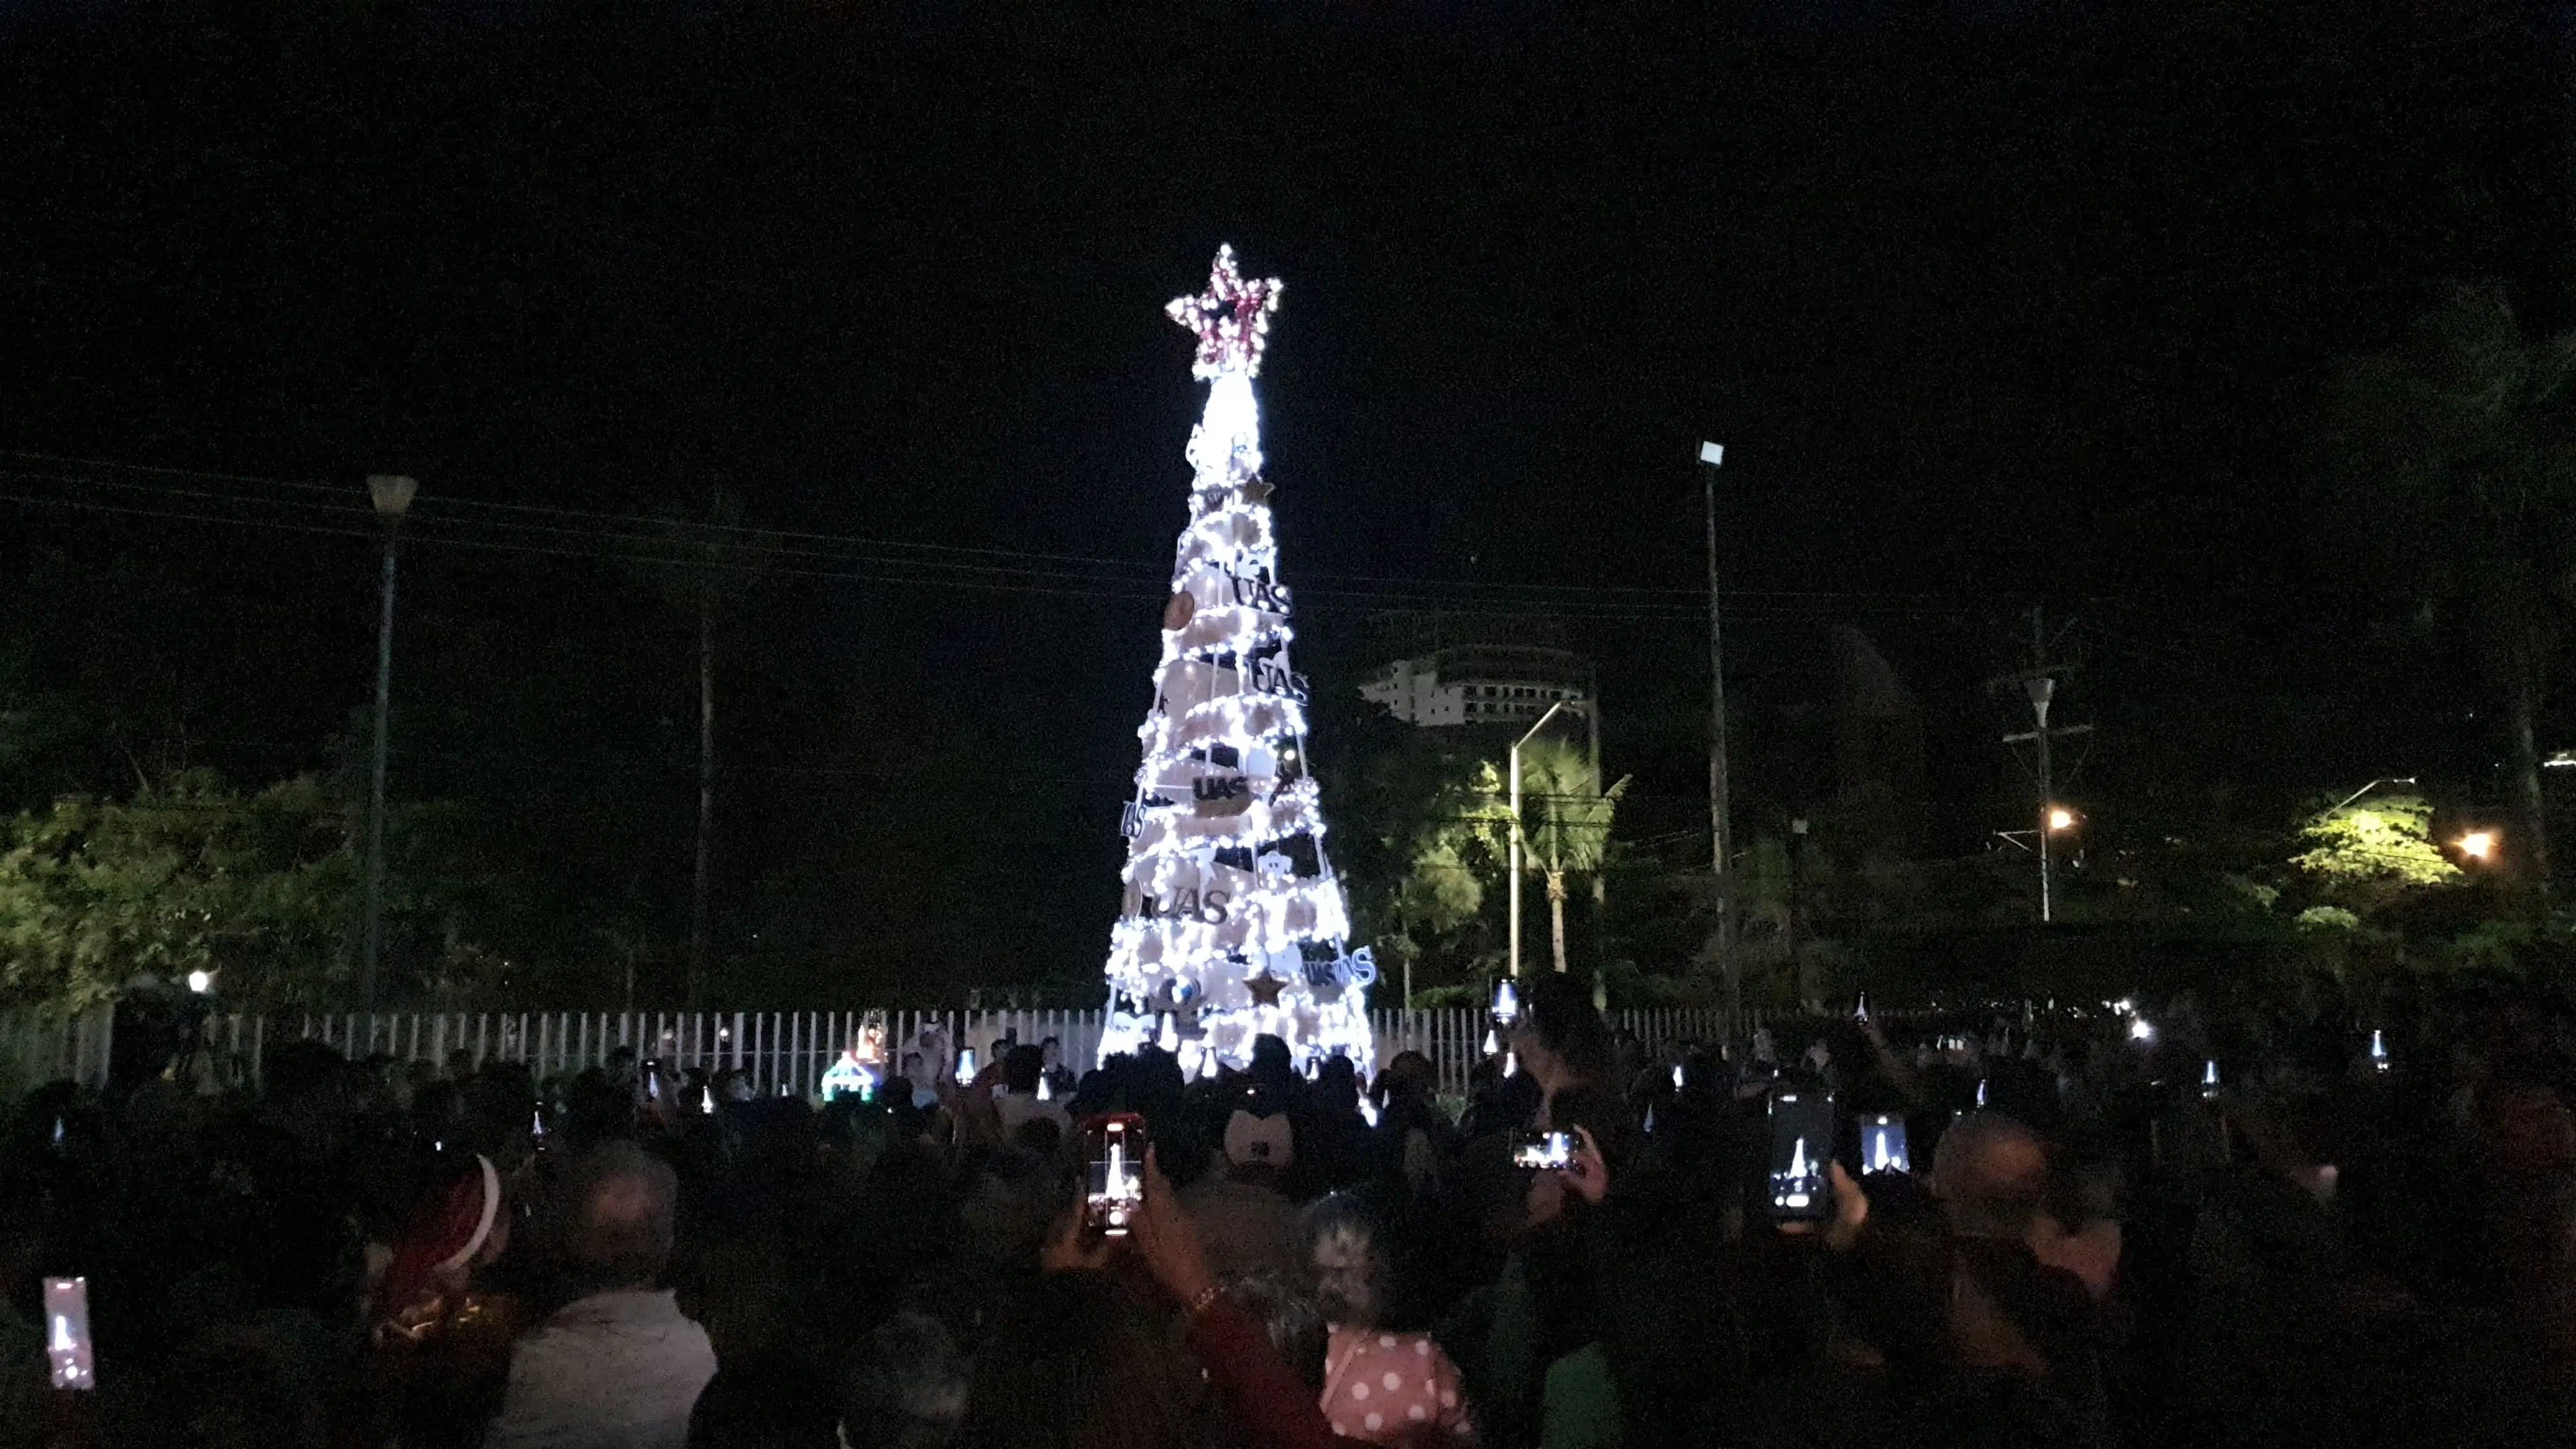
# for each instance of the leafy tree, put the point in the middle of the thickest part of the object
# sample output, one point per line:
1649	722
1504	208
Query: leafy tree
188	876
1453	848
1419	838
2452	456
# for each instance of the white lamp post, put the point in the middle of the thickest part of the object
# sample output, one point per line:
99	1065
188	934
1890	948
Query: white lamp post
392	495
1711	457
1516	829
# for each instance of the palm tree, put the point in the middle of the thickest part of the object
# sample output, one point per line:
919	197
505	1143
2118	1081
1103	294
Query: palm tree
2454	453
1565	820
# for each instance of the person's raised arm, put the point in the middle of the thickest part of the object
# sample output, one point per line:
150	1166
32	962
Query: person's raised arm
1900	1072
970	1105
1851	1210
1268	1397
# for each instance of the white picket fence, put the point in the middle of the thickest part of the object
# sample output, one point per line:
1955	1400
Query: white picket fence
789	1049
38	1046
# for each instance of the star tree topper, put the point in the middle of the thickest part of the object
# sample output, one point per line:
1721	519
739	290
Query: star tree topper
1232	319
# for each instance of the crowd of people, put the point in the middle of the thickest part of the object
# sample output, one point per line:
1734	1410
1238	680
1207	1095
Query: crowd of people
2144	1224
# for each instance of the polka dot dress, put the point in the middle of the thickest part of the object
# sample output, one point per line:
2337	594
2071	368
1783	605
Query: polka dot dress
1393	1388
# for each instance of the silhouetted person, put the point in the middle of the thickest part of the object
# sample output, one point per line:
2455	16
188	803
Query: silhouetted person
619	1367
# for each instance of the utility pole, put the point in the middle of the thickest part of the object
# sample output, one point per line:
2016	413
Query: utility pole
702	878
2039	685
392	495
1710	456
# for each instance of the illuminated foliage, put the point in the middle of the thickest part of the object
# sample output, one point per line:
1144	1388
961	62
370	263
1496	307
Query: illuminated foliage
2361	858
1425	831
1565	823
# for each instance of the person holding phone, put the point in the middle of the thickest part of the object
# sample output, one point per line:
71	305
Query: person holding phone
1978	1329
1082	1331
1565	1047
1551	1222
1267	1396
1047	1362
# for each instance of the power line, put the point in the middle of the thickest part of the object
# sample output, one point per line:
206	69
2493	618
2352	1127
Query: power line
919	573
696	545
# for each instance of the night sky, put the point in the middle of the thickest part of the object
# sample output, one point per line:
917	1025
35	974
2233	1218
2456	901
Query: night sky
1991	303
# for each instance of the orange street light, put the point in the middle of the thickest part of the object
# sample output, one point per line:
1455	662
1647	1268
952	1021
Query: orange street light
2478	845
2060	818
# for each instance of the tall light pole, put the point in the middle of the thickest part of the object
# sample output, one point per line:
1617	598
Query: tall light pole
2039	682
392	494
2043	689
1710	456
1516	830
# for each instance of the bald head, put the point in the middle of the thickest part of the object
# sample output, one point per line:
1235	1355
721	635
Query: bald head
1991	1175
623	1206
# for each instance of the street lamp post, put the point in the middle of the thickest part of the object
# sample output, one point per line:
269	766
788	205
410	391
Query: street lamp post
1516	830
2042	690
392	494
2366	789
1711	455
2039	682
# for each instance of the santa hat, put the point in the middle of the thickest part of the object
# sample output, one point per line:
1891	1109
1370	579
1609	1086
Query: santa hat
1259	1141
445	1240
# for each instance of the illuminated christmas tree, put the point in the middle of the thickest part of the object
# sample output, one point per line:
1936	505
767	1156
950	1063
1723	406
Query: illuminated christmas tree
1231	925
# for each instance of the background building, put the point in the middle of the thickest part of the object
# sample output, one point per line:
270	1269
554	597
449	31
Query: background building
1480	684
